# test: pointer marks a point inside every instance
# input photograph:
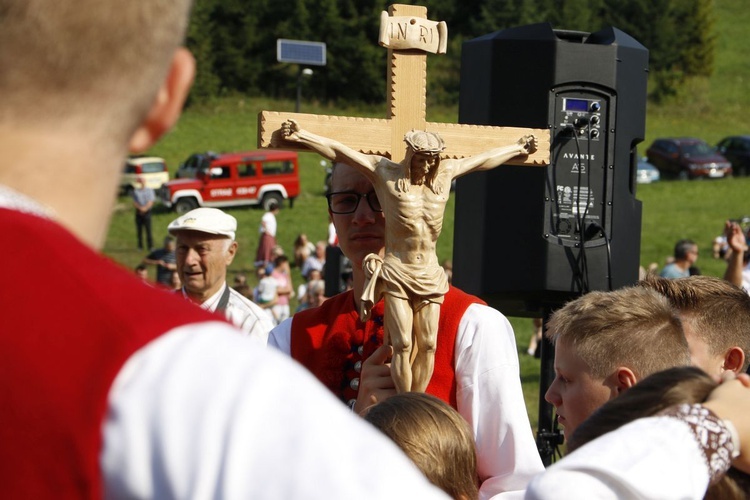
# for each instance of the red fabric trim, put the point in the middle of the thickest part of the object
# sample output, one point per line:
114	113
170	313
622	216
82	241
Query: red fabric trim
71	318
325	340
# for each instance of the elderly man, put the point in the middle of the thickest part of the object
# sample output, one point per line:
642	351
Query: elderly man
205	247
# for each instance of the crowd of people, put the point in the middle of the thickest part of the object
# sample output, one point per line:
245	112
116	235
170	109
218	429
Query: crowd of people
121	390
605	343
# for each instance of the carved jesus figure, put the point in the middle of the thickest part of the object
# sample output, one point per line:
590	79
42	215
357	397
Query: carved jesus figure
413	195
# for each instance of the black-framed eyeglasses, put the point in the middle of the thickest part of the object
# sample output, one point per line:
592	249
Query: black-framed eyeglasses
346	202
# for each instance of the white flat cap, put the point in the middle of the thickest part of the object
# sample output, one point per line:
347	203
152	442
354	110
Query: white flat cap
205	220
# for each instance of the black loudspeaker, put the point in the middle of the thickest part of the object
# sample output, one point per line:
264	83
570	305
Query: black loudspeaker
527	239
337	271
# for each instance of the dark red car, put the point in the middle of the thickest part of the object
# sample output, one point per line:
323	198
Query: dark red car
687	158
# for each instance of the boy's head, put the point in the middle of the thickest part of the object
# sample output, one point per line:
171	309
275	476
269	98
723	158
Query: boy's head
657	392
95	76
715	317
85	56
434	436
604	343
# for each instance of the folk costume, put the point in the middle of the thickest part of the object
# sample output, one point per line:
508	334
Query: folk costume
476	371
674	455
112	388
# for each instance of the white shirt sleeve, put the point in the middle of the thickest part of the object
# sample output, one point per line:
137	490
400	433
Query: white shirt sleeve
490	398
281	337
248	316
202	412
652	458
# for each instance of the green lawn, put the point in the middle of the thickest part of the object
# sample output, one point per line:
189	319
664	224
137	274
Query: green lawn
710	109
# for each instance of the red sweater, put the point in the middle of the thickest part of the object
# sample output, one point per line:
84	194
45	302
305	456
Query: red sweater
70	320
330	340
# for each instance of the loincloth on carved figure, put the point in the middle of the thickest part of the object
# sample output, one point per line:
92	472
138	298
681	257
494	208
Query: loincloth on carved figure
416	283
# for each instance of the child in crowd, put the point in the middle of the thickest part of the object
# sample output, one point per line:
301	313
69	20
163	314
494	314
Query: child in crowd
605	342
265	292
436	438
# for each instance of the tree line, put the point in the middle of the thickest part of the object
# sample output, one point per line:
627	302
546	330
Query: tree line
234	42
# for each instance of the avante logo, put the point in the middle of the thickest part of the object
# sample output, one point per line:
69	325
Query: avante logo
576	156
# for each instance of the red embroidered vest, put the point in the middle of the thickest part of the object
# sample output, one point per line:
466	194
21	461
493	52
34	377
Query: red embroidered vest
332	342
70	319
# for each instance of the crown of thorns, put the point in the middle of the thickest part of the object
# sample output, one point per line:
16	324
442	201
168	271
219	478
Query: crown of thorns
424	142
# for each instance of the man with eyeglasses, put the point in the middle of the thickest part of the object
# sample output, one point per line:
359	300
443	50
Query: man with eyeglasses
476	363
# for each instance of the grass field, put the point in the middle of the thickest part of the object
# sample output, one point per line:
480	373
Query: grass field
710	109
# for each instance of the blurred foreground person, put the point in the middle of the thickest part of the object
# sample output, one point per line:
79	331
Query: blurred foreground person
118	390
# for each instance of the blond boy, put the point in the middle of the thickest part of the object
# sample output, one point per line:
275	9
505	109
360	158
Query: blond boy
715	317
605	342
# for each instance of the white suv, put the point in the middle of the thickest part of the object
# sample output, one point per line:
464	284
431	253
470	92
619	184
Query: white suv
152	169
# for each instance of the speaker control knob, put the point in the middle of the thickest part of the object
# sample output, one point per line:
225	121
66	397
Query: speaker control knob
594	134
594	120
595	106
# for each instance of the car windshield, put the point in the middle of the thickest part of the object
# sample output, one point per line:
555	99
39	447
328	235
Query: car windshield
151	168
697	149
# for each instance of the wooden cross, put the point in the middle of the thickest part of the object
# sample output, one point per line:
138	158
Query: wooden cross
410	35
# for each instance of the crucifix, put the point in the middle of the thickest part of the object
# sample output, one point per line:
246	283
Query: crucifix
412	184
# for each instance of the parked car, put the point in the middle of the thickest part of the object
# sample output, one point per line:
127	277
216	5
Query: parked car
236	179
687	158
647	173
736	149
195	162
151	168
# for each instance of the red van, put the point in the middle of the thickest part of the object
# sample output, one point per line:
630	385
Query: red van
236	179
